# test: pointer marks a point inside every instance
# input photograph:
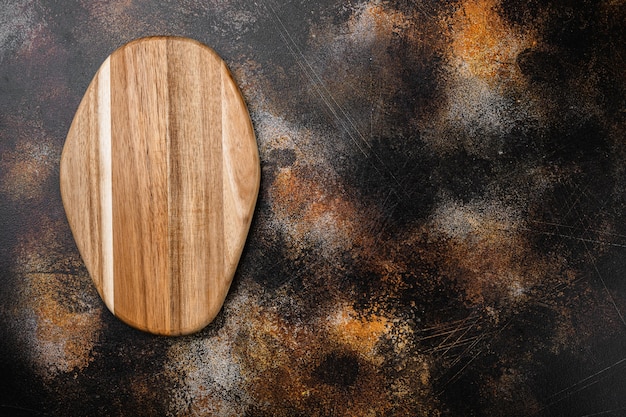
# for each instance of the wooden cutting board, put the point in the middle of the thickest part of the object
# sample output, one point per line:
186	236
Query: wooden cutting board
159	178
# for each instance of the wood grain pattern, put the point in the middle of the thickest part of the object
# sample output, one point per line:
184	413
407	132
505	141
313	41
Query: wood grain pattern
159	178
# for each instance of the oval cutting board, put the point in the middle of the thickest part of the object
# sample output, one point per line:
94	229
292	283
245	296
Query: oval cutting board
159	178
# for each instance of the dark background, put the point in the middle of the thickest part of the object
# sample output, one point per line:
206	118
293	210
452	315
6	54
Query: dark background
440	229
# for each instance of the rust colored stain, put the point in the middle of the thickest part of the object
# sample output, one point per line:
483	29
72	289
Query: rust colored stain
280	369
314	213
55	322
295	370
483	44
488	254
360	334
60	324
27	168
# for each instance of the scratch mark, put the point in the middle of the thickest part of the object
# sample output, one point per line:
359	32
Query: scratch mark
17	409
570	237
457	341
463	354
595	266
606	289
569	226
580	385
338	112
604	413
586	230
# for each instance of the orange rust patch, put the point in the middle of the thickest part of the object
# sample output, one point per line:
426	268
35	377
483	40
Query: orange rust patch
387	22
488	254
360	334
279	362
482	44
66	316
26	170
311	213
115	17
64	339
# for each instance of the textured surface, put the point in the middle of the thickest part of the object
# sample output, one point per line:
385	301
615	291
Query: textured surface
440	227
159	177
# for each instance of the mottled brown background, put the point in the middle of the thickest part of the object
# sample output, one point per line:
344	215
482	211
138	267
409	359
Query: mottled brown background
440	229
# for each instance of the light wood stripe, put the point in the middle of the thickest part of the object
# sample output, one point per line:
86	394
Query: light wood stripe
139	173
106	185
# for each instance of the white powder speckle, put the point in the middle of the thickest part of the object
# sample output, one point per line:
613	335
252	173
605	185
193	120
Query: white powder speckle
18	24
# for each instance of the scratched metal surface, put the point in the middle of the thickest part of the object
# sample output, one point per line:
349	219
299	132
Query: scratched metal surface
440	229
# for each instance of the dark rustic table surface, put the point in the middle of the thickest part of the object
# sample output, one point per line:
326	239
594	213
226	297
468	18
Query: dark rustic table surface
440	229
